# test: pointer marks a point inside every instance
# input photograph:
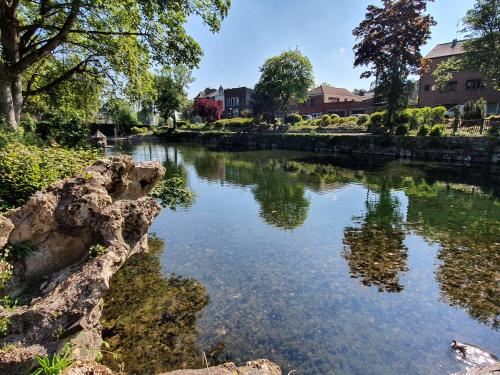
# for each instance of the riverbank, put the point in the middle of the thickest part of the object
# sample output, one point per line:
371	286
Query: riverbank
462	150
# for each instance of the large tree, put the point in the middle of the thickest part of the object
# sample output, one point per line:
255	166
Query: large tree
119	38
283	78
171	87
389	41
481	49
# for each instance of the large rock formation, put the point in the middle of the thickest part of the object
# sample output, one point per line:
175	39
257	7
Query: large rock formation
105	207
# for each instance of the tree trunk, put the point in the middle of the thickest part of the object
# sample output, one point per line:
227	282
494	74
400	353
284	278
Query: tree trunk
17	96
7	109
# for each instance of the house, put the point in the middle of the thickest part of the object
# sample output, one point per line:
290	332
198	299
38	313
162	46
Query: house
214	94
237	100
464	86
335	100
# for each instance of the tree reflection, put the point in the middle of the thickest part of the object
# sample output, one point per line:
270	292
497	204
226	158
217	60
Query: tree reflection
375	251
467	226
149	320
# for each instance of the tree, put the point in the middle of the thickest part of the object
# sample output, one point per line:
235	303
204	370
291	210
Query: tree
360	92
389	41
481	50
210	110
171	90
118	38
283	78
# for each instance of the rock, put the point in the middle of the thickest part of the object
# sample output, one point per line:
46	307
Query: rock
87	368
487	370
259	367
106	205
6	227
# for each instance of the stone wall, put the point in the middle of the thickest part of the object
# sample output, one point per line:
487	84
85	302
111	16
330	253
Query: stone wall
464	150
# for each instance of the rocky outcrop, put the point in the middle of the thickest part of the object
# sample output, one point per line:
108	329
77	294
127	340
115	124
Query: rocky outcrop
105	208
487	370
259	367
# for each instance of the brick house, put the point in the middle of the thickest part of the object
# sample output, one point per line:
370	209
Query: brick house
237	100
335	100
464	86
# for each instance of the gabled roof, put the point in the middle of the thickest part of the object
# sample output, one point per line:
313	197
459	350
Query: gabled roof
334	92
447	49
210	93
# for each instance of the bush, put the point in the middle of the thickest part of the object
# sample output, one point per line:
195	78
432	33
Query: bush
139	131
69	133
325	120
230	122
423	130
377	119
182	123
246	113
437	131
474	109
293	118
363	119
438	114
402	129
26	169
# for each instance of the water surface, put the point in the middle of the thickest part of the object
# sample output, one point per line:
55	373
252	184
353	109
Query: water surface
324	266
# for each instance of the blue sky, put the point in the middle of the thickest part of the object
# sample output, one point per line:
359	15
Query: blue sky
322	29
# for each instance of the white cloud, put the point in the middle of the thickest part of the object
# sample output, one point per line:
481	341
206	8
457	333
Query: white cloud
342	50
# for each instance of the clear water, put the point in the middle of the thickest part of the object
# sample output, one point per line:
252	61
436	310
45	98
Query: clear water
321	265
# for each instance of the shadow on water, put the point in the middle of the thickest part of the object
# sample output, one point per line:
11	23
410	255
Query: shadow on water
149	321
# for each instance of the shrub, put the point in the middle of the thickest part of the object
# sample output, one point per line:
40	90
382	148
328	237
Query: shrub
474	109
68	133
96	250
363	119
402	129
4	326
438	114
54	366
246	113
139	131
25	169
494	130
236	122
324	121
377	119
423	130
293	118
437	131
182	123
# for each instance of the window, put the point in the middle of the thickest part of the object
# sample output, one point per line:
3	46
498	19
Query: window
313	102
450	86
233	102
333	100
473	84
427	87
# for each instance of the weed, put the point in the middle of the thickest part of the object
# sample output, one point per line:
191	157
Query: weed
4	326
54	366
96	250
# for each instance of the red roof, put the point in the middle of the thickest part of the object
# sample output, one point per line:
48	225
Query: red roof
333	93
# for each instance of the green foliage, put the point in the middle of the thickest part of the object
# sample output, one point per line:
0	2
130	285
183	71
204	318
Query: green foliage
139	131
233	122
474	109
96	250
4	326
283	78
9	303
172	193
120	111
246	113
423	130
377	119
437	131
170	87
438	114
182	123
324	121
54	366
402	129
68	133
25	169
363	119
293	118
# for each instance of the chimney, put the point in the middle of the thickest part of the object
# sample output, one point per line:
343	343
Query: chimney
454	43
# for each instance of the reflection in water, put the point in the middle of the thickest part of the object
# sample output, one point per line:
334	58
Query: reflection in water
467	226
149	320
405	229
375	251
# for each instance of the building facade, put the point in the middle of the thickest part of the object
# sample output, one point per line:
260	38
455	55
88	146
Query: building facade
335	100
213	94
237	100
464	86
